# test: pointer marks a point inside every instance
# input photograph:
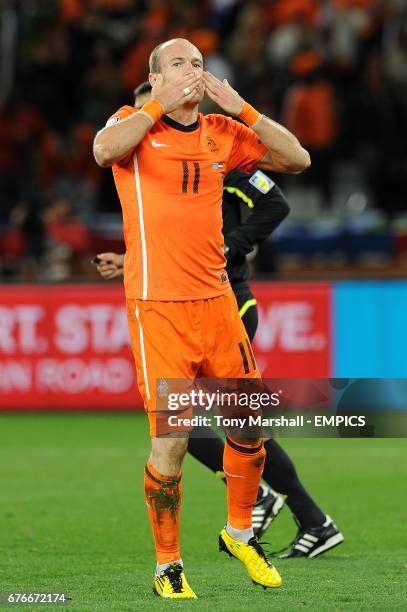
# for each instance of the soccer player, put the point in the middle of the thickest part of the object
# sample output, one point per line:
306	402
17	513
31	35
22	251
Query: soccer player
316	533
168	164
242	230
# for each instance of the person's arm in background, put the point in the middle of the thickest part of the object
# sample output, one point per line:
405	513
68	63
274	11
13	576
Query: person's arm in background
268	205
109	265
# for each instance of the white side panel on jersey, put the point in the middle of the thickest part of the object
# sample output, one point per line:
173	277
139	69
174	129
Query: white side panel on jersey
144	280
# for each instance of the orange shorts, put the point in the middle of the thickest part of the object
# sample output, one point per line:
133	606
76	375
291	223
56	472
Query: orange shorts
185	340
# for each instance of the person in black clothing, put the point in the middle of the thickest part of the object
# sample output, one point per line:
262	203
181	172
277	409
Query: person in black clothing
253	206
242	231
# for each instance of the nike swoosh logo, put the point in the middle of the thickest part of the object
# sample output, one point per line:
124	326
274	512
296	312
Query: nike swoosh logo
158	144
233	475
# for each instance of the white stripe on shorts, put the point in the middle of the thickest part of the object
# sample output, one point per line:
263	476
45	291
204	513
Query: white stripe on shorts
143	353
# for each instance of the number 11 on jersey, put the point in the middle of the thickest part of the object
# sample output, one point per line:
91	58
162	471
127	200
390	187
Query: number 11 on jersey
186	173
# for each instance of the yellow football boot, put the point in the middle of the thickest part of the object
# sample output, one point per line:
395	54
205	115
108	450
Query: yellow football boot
172	584
260	570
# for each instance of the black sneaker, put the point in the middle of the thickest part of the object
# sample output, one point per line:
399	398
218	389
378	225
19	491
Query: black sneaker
265	510
314	541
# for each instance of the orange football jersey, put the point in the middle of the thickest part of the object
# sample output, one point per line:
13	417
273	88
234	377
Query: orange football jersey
170	188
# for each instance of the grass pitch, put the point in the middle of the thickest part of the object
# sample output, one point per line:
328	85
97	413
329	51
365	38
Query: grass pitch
73	519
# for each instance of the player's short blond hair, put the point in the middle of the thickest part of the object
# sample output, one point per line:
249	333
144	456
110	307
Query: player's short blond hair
154	60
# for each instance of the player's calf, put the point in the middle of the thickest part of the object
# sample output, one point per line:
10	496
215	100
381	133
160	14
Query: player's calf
243	465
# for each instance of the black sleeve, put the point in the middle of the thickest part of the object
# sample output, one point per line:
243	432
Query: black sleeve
268	211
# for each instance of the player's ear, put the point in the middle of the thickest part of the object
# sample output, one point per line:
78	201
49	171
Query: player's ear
152	78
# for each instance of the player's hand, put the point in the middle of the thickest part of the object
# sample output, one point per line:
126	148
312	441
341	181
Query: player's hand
172	95
223	94
109	265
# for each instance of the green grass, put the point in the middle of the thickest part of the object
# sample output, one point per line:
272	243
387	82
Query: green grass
72	518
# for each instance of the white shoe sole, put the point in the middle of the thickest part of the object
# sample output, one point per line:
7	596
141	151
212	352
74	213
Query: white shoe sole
330	543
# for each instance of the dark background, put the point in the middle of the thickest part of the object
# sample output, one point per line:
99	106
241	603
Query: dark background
333	71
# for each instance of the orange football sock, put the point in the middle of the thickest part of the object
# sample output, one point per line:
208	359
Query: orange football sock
163	499
243	465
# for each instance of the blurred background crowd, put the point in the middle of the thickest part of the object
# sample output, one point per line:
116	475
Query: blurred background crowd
333	71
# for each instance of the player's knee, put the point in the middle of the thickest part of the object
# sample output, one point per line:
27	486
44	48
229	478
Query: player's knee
246	435
169	449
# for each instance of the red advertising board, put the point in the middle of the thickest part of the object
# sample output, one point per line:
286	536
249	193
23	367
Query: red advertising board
293	339
67	346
